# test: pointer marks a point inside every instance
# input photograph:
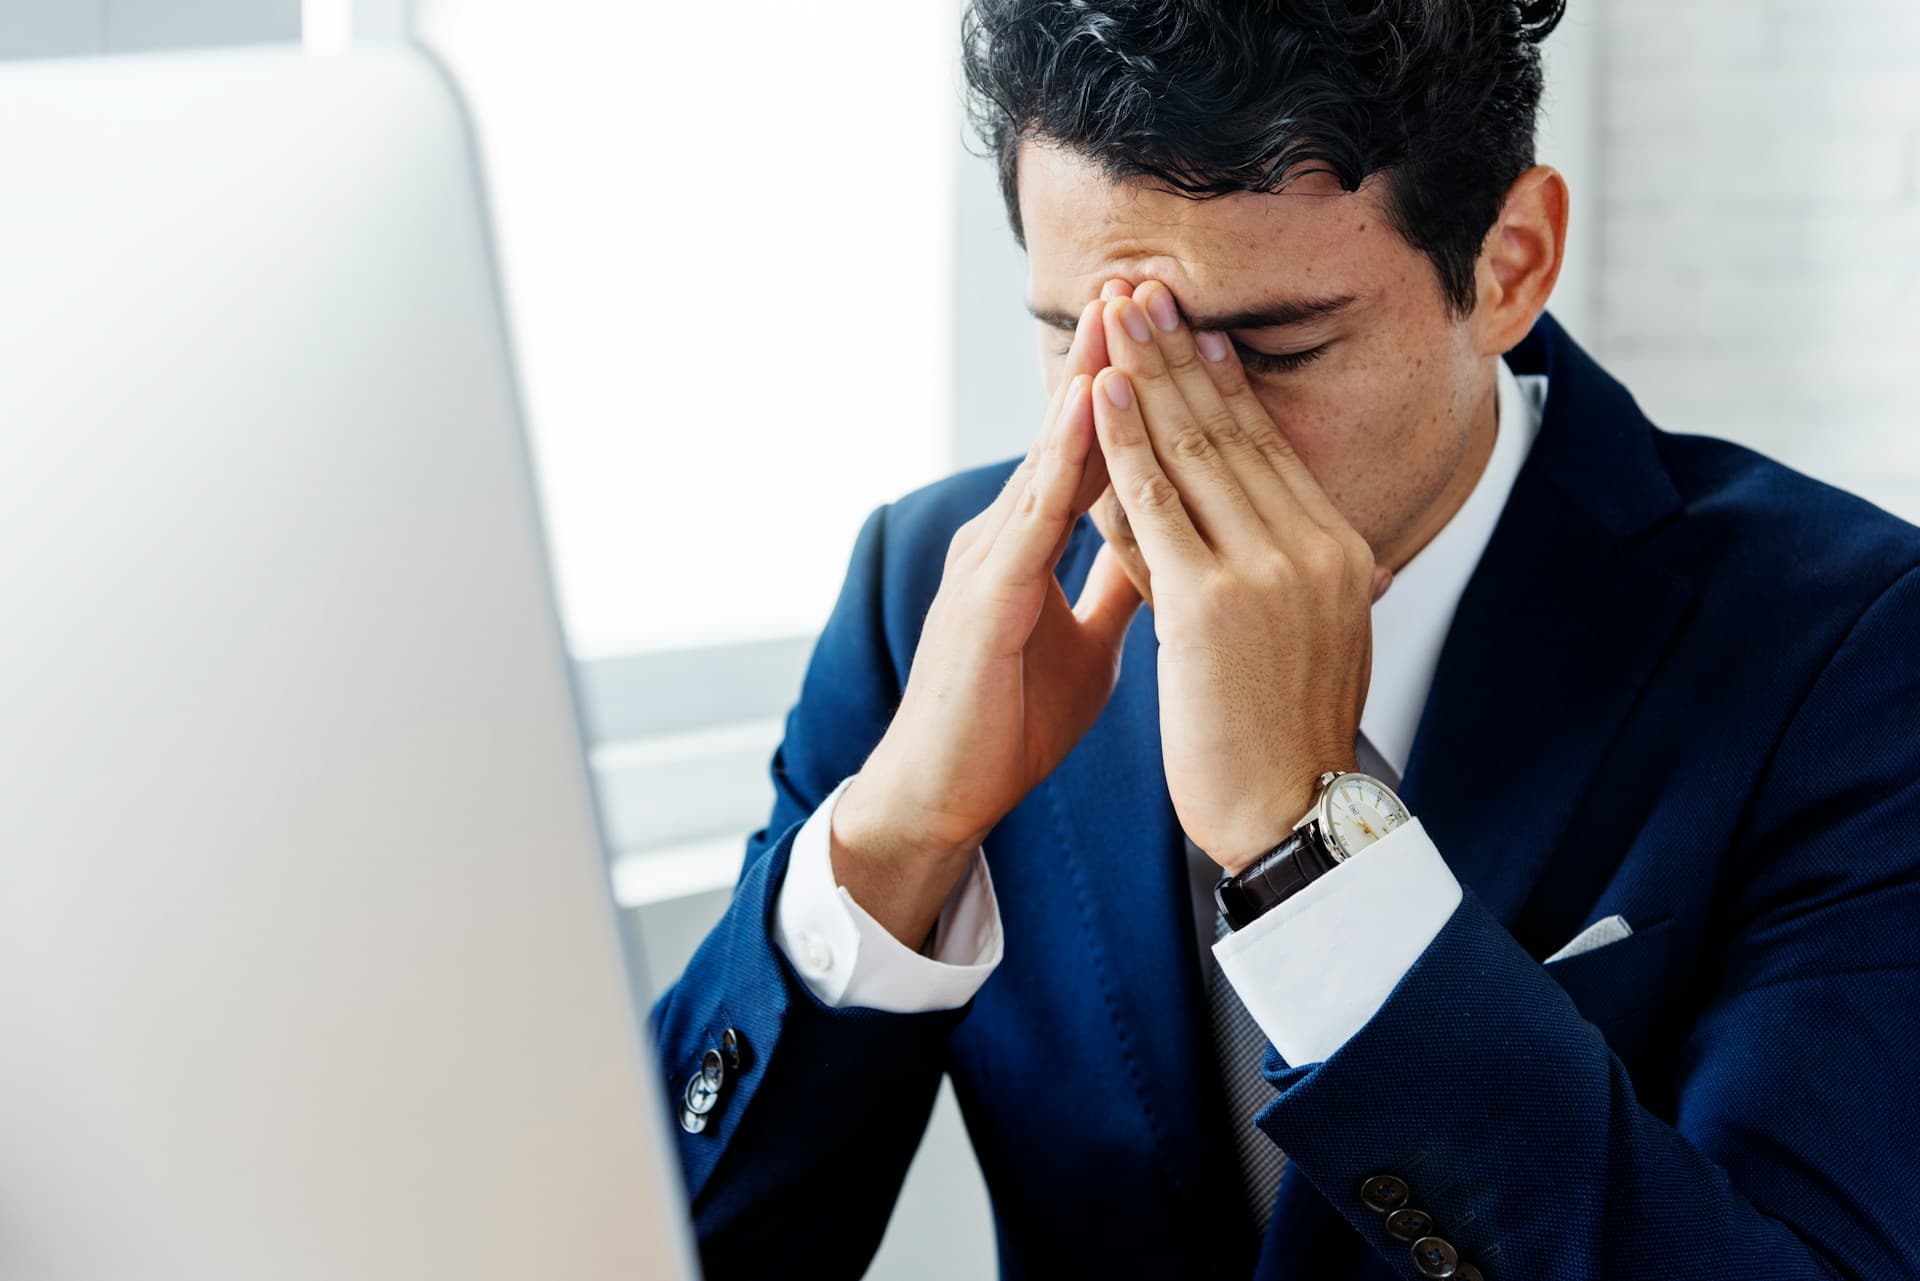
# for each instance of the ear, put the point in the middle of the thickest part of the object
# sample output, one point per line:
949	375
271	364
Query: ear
1520	259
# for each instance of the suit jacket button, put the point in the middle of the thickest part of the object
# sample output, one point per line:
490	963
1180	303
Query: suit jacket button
1409	1224
692	1122
1435	1257
713	1069
733	1048
1384	1194
701	1094
1467	1272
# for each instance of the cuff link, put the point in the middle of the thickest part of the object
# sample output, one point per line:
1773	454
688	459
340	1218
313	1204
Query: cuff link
703	1090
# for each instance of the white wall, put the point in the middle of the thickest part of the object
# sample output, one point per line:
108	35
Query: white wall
1761	223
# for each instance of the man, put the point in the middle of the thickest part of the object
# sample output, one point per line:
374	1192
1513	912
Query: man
1599	958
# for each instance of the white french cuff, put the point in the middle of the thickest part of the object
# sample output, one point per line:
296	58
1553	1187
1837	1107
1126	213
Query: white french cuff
847	958
1313	970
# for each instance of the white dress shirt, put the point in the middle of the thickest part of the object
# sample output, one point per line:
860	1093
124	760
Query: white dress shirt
1311	971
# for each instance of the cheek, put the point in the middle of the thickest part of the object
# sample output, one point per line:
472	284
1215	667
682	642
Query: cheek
1319	421
1352	423
1351	435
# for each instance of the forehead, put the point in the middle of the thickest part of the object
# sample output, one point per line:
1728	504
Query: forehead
1312	238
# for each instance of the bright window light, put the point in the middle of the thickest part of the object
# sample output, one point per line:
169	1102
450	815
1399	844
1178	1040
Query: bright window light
326	26
727	238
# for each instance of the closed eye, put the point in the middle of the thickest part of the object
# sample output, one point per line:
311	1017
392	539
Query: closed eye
1263	362
1258	362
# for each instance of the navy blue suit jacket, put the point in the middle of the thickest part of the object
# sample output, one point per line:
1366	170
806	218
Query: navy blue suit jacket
1682	685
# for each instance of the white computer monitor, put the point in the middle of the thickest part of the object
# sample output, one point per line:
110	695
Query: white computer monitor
308	962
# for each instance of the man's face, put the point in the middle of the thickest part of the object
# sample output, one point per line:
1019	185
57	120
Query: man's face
1381	415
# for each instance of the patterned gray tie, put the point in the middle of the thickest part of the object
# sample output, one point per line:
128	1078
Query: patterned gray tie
1240	1044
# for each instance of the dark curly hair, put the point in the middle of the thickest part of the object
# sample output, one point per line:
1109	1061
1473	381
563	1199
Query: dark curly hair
1214	96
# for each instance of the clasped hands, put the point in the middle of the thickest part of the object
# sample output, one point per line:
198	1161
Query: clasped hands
1261	590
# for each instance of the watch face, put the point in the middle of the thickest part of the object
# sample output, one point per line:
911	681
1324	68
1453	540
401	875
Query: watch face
1358	810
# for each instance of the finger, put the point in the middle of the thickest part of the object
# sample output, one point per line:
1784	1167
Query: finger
1023	548
1212	496
1237	437
1086	355
1111	520
971	541
1229	378
1118	287
1089	356
1155	510
1094	482
1108	600
1088	352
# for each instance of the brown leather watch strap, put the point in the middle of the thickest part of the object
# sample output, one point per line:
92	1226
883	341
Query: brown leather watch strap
1271	879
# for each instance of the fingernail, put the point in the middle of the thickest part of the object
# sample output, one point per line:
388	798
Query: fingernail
1165	314
1134	323
1212	344
1117	390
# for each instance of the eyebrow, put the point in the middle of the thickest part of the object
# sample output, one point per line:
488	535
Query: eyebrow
1272	315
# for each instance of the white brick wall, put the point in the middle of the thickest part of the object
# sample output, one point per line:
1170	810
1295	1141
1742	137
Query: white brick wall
1759	261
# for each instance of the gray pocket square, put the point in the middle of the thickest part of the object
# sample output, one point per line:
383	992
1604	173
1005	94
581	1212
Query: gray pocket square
1609	929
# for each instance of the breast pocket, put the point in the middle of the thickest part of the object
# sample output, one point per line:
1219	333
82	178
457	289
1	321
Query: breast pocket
1616	981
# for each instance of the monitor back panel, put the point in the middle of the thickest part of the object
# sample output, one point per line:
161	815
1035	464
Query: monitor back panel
308	965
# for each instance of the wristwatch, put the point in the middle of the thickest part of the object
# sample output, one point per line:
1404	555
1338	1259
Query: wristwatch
1350	811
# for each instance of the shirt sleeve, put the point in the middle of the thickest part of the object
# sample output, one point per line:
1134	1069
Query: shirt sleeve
1313	970
848	958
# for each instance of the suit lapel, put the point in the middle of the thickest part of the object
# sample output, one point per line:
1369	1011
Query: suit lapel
1558	629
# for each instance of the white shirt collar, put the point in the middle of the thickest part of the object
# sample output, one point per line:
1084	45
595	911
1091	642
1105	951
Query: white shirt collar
1412	620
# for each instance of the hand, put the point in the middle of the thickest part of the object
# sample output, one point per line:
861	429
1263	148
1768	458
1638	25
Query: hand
1007	676
1108	516
1263	591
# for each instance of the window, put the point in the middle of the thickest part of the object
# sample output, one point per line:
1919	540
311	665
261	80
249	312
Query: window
726	241
726	253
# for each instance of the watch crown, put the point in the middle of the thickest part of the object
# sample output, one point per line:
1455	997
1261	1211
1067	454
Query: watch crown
1313	806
